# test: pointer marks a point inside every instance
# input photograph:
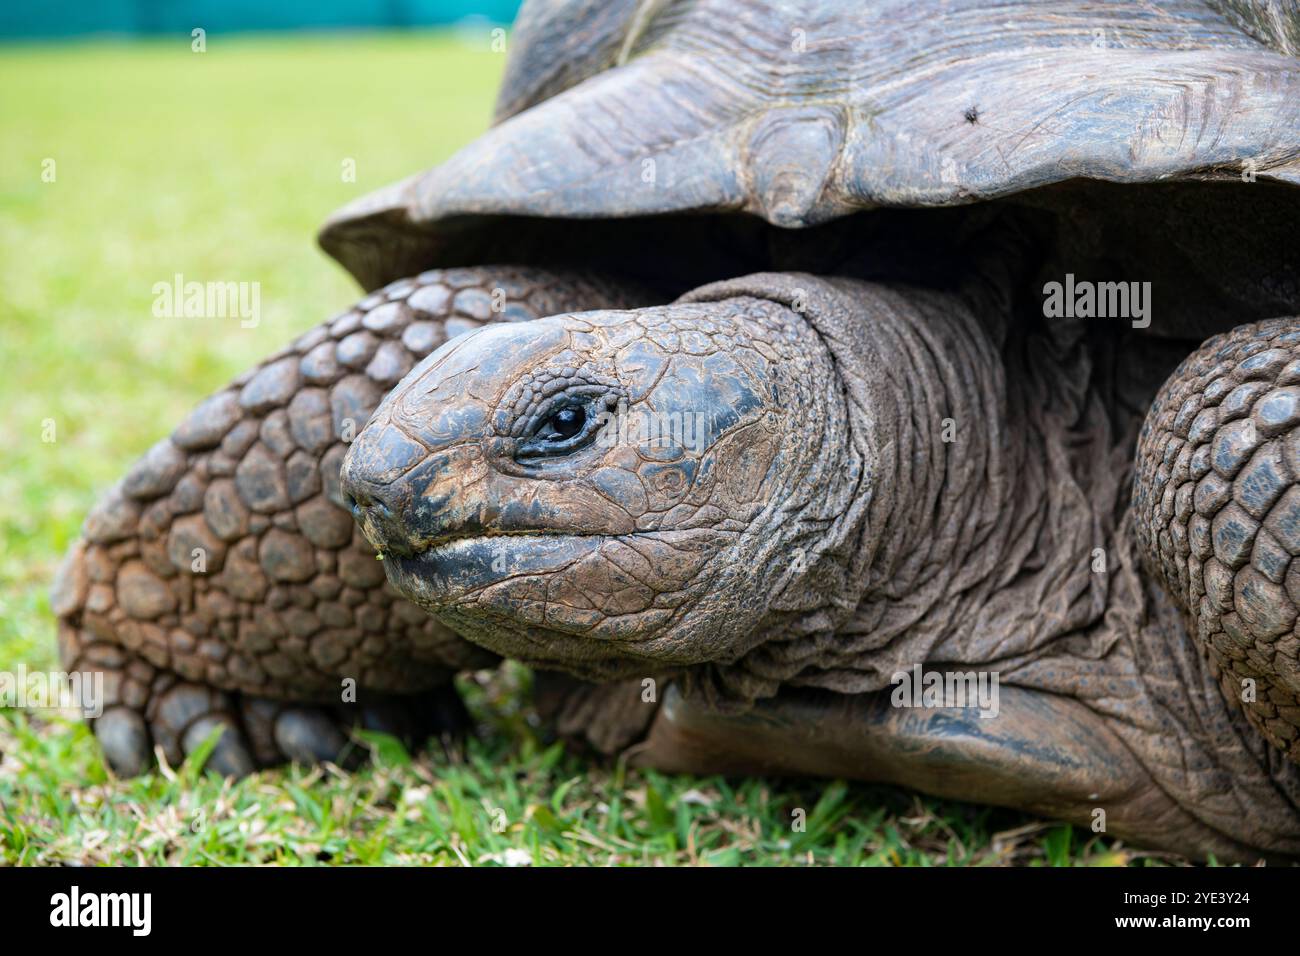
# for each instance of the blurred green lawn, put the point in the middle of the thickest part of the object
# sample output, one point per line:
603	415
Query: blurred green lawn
221	166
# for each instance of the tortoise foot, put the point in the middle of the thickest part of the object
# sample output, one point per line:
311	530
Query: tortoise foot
179	716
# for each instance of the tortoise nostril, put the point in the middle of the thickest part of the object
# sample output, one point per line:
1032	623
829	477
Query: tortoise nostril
380	519
362	505
356	503
359	502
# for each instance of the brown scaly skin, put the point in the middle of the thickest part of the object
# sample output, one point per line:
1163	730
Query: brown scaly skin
289	600
824	401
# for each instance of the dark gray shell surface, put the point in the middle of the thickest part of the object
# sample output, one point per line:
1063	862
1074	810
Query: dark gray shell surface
799	113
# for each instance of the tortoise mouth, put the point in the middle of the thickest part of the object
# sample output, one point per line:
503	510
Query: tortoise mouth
450	568
432	546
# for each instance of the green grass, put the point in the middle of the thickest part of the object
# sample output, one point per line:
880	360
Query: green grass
504	798
220	166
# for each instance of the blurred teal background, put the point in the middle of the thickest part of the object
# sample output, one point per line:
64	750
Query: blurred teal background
64	18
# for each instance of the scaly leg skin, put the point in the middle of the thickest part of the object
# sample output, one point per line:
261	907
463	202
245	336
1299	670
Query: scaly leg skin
222	582
1217	510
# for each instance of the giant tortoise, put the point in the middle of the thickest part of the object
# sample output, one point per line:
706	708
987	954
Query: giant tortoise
897	391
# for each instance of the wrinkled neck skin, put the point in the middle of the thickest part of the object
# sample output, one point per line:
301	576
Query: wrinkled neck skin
993	476
1009	550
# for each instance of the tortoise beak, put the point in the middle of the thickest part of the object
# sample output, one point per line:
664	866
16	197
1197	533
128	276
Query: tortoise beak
378	502
379	521
406	498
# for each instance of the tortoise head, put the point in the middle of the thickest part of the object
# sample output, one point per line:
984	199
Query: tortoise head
599	489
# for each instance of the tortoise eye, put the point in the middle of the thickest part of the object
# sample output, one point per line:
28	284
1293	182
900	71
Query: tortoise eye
566	429
565	423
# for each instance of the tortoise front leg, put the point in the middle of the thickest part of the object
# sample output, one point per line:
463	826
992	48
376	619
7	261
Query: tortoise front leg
1216	504
1042	754
222	582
